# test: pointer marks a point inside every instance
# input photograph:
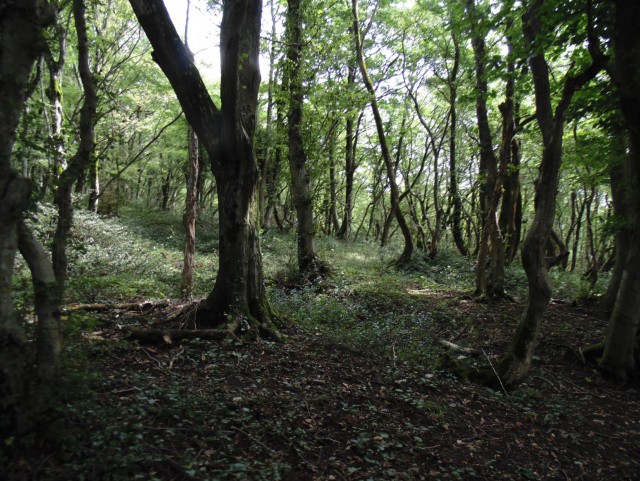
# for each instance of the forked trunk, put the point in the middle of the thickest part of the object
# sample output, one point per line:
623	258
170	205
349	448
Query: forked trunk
238	299
515	365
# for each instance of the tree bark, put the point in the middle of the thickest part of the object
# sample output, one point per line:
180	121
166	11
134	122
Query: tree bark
238	298
490	283
81	158
54	94
21	43
515	365
621	345
189	218
455	199
333	188
300	180
191	200
94	185
576	239
510	221
407	251
271	165
47	307
488	162
619	174
350	165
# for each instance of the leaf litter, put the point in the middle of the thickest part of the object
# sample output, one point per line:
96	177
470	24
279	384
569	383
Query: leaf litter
315	409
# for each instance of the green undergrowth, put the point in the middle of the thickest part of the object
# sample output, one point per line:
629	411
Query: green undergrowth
363	300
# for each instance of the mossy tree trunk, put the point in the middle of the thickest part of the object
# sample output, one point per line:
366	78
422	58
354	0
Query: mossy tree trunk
237	301
79	162
54	94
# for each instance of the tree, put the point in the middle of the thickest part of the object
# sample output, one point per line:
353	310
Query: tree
238	298
79	162
515	365
454	192
491	244
396	211
191	201
21	43
308	261
620	350
350	164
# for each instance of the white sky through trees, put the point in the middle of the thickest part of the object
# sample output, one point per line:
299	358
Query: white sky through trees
204	32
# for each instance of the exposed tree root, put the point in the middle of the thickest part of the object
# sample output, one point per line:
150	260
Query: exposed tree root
591	354
170	336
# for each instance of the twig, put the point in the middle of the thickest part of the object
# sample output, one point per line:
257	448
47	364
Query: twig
496	373
151	357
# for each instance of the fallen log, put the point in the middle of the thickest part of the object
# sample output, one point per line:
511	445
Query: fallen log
128	306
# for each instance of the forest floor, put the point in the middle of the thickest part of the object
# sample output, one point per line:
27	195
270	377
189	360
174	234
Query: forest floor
355	393
313	409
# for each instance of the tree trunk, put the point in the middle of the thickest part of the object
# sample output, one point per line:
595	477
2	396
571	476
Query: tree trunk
576	239
491	243
268	182
350	165
80	160
488	162
21	42
191	200
333	195
456	201
405	256
54	94
189	218
300	181
94	185
238	298
510	221
48	337
592	255
621	345
515	365
619	176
